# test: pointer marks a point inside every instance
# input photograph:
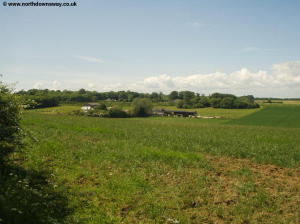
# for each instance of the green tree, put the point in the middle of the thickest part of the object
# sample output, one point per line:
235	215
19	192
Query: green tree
173	95
204	101
82	91
122	96
227	103
186	95
179	103
142	107
10	131
215	102
155	97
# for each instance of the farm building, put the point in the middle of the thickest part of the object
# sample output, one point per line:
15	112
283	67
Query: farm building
89	106
182	113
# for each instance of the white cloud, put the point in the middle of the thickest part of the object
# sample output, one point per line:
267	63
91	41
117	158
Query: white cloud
196	24
159	82
47	85
56	85
91	85
250	49
257	49
38	85
90	59
281	80
114	86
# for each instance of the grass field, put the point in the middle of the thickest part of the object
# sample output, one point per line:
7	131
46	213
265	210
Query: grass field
63	109
168	170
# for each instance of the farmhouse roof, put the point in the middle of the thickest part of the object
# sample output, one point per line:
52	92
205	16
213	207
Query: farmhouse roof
181	111
175	111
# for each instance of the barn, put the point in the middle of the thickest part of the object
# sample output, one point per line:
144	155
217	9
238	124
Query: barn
181	113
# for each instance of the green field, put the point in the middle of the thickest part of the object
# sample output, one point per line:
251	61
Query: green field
64	109
224	113
167	170
275	115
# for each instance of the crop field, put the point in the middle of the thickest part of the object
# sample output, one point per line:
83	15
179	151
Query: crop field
169	170
275	115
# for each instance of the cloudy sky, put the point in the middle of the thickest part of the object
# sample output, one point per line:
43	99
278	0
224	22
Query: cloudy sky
233	46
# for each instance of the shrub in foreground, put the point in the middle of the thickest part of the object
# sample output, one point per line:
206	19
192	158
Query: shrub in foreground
10	132
26	197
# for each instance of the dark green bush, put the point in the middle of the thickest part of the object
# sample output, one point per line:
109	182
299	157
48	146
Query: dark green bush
102	106
141	107
116	112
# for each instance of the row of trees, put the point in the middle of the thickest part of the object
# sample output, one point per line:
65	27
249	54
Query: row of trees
35	98
83	95
217	100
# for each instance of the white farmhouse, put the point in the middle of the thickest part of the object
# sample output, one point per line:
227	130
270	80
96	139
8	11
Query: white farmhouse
89	106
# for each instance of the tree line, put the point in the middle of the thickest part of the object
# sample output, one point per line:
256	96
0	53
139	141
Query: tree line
36	98
215	100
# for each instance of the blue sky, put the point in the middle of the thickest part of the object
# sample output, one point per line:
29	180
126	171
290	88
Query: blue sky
242	47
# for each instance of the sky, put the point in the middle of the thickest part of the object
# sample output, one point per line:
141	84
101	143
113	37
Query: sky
233	46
